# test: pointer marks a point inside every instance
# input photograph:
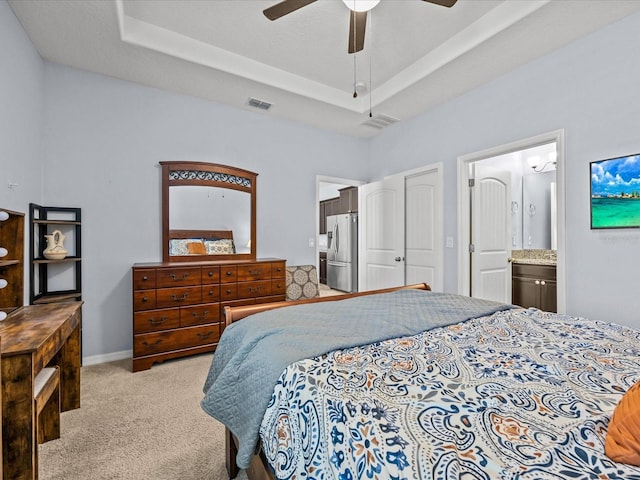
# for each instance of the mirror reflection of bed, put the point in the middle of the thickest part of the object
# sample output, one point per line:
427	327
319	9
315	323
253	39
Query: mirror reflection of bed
195	207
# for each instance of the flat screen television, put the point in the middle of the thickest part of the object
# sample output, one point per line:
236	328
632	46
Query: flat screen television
615	192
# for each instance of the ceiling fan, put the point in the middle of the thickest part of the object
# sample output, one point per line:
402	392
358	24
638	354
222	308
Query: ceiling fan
359	9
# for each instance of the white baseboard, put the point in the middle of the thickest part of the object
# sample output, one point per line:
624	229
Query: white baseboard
109	357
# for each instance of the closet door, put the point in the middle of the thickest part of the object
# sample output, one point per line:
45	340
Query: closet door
423	229
382	234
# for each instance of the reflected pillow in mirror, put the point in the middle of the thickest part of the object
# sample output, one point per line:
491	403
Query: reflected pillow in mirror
222	246
196	247
180	246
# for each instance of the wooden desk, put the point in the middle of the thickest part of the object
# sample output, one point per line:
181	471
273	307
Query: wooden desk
34	337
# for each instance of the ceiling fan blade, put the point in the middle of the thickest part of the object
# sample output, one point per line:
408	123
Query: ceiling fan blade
356	31
285	7
444	3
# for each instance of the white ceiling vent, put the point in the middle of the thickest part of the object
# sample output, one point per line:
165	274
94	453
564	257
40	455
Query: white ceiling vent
261	104
380	121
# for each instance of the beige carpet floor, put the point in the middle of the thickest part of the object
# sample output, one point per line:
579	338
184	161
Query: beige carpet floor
138	426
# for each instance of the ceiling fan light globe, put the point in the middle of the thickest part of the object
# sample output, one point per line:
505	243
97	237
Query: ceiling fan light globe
361	5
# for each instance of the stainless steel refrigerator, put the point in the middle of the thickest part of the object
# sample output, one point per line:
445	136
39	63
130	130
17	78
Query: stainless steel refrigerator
342	252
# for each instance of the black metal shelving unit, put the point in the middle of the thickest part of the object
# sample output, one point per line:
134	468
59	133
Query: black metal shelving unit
67	271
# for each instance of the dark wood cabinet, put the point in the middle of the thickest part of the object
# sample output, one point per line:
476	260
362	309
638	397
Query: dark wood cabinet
534	286
178	308
322	261
348	200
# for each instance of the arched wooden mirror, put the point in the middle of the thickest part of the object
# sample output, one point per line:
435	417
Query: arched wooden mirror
208	212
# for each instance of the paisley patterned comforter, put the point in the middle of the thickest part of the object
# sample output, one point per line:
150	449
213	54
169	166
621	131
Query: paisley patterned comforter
520	394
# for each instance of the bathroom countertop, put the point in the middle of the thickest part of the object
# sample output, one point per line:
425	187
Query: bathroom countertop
534	257
534	261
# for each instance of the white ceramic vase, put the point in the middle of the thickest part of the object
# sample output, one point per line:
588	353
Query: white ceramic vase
55	246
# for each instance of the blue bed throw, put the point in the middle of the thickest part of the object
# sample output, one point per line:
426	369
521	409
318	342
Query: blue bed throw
253	353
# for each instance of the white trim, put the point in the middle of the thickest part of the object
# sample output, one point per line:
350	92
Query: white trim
107	357
464	216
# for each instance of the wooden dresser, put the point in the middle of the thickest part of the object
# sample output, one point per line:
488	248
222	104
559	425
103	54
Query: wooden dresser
178	308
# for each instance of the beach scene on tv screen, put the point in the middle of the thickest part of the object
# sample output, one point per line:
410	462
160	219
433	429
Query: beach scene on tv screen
615	192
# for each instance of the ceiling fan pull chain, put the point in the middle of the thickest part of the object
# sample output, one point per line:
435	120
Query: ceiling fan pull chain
370	85
355	93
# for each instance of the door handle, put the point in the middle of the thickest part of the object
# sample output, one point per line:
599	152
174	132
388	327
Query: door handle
398	259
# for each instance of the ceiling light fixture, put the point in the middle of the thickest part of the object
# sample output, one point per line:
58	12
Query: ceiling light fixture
361	5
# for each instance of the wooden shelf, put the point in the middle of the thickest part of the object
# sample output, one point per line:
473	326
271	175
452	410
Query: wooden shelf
56	222
64	260
7	263
56	298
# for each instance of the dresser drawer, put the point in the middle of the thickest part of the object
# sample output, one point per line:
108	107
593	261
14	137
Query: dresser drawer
156	320
228	291
211	274
257	271
178	277
150	343
176	297
254	289
144	279
210	293
278	270
144	300
200	314
228	274
278	286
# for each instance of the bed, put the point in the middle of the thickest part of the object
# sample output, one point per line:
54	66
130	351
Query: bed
444	387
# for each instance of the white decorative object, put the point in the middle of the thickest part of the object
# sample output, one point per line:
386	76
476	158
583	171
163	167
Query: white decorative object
3	215
55	246
3	252
3	315
3	283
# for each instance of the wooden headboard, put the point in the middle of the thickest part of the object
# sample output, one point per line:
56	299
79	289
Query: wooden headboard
205	234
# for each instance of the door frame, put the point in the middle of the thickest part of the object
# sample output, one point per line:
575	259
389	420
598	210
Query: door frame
464	216
327	179
436	167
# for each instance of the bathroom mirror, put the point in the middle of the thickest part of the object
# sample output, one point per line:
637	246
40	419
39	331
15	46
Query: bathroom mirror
538	211
208	212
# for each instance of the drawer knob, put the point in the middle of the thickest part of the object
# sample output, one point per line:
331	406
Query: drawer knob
257	289
203	316
255	272
204	336
210	273
542	282
228	290
175	277
179	299
148	344
537	282
145	299
145	278
229	273
160	321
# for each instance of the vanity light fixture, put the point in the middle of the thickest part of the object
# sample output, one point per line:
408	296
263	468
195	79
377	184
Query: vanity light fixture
534	162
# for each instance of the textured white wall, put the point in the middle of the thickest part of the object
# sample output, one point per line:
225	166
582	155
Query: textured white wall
104	138
589	89
21	105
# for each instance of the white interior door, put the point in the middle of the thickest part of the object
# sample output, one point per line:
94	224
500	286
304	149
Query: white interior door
382	233
423	230
491	234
